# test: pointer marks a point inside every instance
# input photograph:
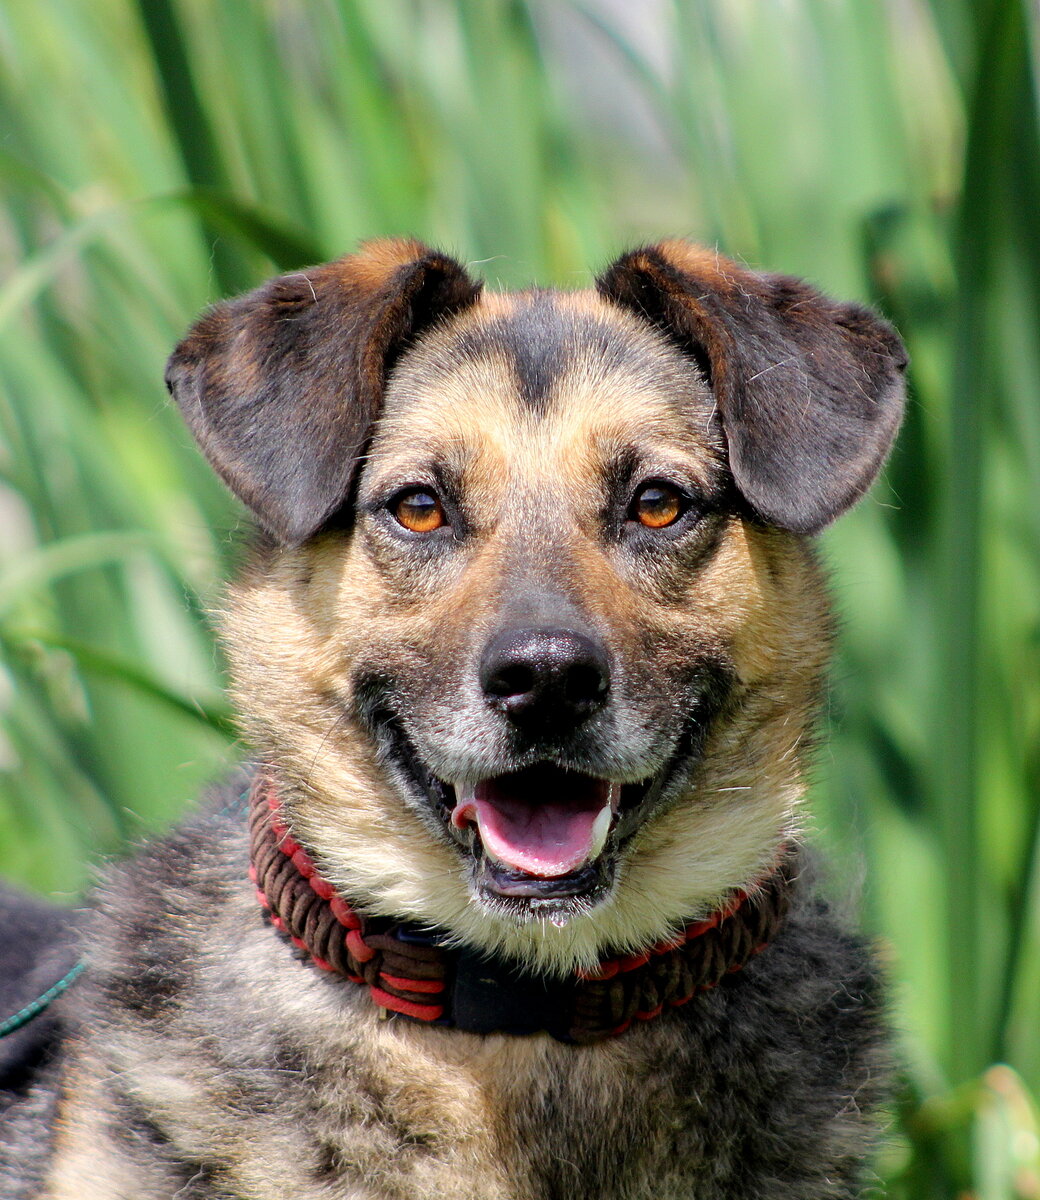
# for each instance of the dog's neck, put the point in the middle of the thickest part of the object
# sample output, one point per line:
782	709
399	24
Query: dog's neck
412	972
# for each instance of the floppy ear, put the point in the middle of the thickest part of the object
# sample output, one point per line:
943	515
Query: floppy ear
281	386
810	392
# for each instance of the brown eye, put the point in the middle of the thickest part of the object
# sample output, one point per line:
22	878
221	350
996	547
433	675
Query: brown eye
418	511
657	505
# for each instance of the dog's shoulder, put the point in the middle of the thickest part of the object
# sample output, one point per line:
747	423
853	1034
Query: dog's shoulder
161	913
807	1057
770	1084
69	976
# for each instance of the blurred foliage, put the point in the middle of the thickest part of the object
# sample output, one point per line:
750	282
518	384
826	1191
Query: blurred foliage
157	155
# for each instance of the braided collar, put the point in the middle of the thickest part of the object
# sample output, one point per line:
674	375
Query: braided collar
408	970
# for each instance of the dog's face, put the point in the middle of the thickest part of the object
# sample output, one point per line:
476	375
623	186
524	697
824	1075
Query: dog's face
536	643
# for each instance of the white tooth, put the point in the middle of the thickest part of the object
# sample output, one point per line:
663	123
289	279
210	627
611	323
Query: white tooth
600	828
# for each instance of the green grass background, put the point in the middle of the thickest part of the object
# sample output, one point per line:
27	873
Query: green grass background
157	155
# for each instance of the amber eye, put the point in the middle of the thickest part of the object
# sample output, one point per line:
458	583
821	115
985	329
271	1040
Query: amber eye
418	511
657	505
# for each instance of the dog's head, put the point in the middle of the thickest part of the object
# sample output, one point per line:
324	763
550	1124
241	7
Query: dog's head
536	634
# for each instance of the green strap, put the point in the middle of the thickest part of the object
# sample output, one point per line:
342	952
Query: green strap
34	1009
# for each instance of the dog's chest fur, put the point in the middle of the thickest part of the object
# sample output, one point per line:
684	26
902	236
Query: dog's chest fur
754	1089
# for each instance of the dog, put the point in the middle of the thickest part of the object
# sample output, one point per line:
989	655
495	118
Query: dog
513	902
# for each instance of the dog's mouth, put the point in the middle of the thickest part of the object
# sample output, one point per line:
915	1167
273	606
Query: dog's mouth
537	833
543	840
543	821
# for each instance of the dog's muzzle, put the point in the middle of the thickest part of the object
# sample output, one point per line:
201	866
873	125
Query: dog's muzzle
541	825
542	835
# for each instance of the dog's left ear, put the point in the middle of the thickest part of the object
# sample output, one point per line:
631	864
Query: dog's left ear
281	387
810	392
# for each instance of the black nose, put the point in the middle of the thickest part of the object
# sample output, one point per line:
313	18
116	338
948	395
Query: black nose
545	678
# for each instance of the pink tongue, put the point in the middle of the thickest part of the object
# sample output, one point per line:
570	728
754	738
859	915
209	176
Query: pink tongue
547	838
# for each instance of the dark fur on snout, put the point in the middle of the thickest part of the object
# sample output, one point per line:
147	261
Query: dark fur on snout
526	559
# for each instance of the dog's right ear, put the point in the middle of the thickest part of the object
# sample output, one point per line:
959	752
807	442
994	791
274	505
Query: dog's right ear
809	391
281	386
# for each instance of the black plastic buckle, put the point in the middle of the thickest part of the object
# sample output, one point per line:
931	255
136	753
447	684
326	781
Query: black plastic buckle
493	996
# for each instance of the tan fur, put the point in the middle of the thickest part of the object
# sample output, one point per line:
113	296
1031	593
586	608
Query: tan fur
372	267
704	263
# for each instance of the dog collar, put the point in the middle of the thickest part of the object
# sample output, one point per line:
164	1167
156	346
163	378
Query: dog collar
411	972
